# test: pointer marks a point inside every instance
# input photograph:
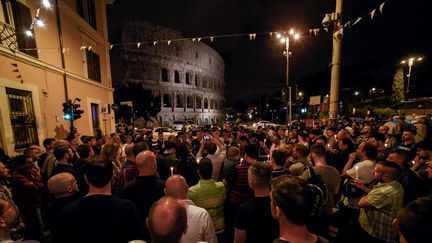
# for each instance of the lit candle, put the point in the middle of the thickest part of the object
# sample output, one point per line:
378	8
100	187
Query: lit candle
356	169
172	170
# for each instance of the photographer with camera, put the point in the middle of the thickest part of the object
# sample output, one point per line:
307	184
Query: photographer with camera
212	149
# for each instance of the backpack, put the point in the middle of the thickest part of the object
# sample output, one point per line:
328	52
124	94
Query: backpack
350	190
319	190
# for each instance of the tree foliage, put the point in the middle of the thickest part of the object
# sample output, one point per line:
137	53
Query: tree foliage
144	103
398	86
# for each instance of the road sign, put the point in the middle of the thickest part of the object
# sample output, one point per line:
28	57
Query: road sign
315	100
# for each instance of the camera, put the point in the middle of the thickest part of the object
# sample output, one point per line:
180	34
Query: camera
207	138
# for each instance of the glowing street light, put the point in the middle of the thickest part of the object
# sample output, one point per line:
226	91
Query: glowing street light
285	39
410	63
371	91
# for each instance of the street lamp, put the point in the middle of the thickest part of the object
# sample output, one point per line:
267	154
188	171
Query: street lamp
372	91
284	38
410	62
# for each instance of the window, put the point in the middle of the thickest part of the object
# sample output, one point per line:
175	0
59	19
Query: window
22	19
164	75
7	12
22	118
204	83
187	77
179	101
205	103
198	102
95	117
210	61
212	104
93	66
86	9
196	80
196	54
167	100
176	76
189	102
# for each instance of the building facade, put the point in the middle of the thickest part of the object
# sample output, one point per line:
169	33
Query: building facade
66	58
187	76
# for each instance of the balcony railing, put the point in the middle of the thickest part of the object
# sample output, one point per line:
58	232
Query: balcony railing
8	36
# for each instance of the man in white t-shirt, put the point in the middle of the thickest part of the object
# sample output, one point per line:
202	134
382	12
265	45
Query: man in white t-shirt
363	170
200	225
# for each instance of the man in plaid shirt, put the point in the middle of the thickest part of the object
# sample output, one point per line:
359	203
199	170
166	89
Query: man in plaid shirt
129	170
381	205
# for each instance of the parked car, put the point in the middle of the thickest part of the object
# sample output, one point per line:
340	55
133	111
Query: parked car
263	123
167	131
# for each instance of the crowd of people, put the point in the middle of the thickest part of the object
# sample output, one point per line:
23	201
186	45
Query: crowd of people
224	184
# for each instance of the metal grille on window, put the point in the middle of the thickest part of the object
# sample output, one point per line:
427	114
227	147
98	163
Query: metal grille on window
22	117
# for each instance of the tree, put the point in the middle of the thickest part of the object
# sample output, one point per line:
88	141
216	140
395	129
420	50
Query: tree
398	86
145	104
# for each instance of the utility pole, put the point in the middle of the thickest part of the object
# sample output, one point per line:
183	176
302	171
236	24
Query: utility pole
289	108
336	61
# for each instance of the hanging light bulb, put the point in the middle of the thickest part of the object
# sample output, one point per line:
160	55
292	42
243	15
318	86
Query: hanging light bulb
46	3
40	23
29	33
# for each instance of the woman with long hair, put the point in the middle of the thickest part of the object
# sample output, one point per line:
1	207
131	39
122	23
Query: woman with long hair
112	151
187	165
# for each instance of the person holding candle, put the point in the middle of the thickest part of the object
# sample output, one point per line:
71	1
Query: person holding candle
361	171
360	174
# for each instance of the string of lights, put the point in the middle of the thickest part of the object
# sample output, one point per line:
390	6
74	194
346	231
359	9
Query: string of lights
313	32
37	21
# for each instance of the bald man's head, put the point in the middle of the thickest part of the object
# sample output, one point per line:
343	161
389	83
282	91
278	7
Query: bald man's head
167	220
62	185
146	162
176	186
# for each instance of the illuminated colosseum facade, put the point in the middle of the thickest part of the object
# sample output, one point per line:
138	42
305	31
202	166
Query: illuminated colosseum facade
187	75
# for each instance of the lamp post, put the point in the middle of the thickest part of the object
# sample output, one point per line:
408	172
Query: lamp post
371	91
410	62
285	39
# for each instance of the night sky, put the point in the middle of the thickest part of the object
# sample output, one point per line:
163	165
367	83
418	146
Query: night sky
371	52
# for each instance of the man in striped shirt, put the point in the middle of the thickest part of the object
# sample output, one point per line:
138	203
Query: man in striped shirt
210	195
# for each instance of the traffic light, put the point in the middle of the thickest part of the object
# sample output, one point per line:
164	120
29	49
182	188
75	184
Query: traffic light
76	111
67	111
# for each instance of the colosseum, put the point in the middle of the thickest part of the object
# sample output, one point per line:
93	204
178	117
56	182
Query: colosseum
187	75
